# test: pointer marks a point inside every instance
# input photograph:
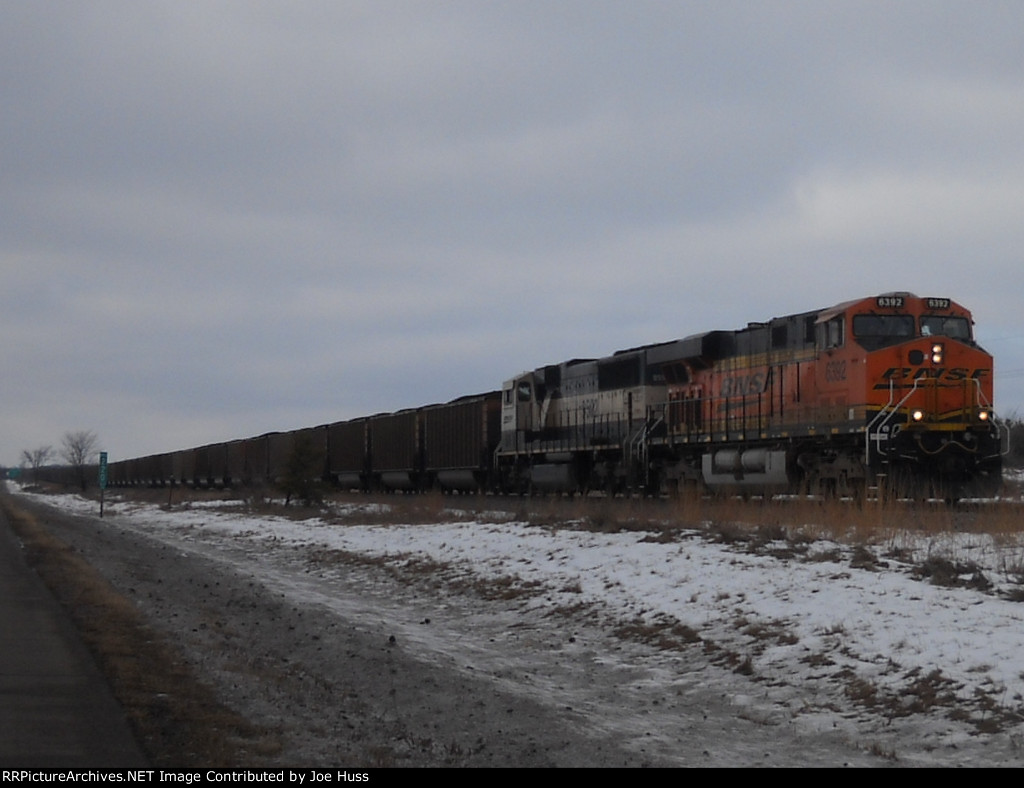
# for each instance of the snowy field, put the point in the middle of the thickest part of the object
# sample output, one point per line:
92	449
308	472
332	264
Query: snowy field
914	629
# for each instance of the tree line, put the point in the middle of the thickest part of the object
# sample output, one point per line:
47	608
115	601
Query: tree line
77	449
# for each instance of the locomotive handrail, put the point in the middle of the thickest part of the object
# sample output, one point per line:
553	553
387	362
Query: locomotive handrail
887	413
637	445
636	440
871	424
653	425
1003	429
542	421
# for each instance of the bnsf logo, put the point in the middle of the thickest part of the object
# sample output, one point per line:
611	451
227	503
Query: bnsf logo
941	374
742	385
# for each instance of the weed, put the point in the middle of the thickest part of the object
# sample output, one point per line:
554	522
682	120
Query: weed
863	558
729	532
940	571
879	751
817	660
745	667
1014	594
831	555
926	692
666	634
766	632
862	692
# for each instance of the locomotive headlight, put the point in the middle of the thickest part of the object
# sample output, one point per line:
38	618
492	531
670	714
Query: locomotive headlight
937	352
984	415
917	415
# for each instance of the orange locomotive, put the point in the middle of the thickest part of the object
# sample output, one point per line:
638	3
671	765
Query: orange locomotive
884	390
889	391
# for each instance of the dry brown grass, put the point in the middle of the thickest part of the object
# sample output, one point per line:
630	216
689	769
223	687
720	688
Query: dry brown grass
870	522
666	634
731	518
921	693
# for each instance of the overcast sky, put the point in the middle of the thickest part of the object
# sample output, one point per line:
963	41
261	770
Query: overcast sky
225	218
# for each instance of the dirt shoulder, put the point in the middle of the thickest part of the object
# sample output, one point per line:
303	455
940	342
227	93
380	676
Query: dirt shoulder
216	668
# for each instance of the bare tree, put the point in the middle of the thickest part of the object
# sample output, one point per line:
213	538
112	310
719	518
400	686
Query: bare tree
78	450
36	459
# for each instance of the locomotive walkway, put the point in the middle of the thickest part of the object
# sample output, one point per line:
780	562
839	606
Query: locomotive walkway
56	709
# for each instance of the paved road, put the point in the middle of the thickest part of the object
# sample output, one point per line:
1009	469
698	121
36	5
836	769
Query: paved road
56	709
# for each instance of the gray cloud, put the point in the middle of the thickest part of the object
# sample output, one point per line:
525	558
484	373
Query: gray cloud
224	218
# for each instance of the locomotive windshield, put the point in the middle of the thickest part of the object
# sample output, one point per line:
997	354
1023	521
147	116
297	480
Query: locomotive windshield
945	326
878	331
883	326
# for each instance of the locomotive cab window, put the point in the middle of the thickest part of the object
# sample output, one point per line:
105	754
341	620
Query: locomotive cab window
832	334
877	331
523	392
945	326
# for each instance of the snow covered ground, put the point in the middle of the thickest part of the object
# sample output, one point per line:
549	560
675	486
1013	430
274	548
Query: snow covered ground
863	628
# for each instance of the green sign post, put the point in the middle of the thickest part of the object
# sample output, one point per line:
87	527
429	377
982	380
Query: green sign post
103	478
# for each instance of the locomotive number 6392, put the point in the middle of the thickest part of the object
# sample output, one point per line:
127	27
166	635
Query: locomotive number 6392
835	371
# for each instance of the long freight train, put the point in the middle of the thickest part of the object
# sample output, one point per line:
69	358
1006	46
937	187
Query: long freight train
889	392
